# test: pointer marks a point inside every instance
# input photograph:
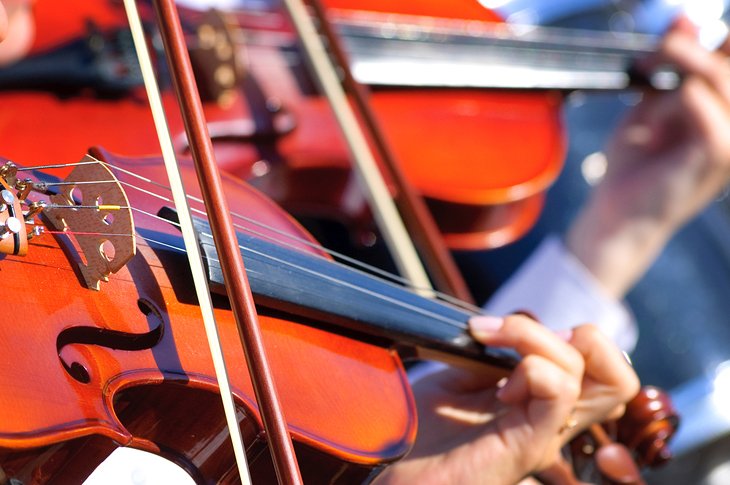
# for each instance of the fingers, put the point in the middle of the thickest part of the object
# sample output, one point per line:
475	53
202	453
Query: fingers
681	48
3	22
609	381
693	60
527	337
541	396
539	378
604	362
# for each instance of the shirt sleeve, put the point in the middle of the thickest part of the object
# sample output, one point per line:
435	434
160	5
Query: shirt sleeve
554	286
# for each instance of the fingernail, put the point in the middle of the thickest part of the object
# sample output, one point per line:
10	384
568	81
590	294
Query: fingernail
485	324
500	393
565	334
501	388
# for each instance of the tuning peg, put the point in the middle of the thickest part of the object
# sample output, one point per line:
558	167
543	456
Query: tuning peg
12	225
7	198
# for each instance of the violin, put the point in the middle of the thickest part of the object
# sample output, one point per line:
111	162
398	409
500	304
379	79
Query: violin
276	134
143	327
487	196
488	192
481	198
138	335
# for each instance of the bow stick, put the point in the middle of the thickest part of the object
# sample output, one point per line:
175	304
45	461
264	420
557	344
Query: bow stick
384	210
416	216
224	235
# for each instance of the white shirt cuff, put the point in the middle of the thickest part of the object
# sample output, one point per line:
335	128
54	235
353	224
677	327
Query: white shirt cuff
556	287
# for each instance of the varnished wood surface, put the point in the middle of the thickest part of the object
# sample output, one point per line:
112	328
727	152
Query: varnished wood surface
44	404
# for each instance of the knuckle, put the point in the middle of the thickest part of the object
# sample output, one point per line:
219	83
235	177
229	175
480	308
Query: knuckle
549	380
517	324
591	335
571	388
576	362
519	319
616	412
590	330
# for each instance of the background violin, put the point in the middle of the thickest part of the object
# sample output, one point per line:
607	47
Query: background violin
292	137
485	194
474	121
479	177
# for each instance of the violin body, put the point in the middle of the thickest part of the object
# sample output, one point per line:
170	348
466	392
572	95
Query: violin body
482	159
84	357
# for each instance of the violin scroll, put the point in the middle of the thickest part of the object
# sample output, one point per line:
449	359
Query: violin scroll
647	426
615	451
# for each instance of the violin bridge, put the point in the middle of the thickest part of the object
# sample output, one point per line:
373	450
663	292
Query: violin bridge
92	208
213	57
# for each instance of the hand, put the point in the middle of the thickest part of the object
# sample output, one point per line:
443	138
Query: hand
471	431
666	162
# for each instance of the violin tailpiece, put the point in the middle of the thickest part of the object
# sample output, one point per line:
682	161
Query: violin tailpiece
92	208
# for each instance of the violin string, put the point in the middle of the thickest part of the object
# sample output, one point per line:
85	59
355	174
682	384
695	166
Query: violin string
86	233
100	207
288	244
80	182
395	301
413	308
304	269
55	165
296	239
322	276
299	240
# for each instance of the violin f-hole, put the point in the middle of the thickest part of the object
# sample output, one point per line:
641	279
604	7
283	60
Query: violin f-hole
111	339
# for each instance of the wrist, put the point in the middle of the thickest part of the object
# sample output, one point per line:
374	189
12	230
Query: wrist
614	245
466	463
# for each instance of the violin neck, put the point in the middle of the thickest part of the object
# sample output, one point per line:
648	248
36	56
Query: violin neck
316	289
413	52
